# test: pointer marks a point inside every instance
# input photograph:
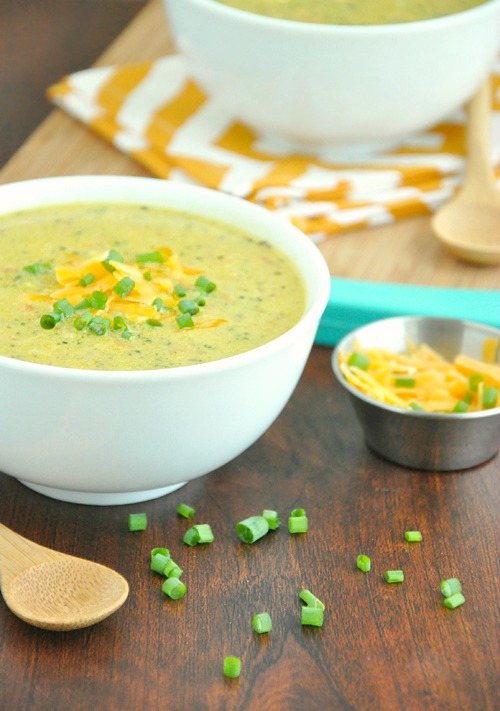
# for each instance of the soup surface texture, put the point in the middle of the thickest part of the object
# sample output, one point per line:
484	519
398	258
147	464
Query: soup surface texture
354	12
122	287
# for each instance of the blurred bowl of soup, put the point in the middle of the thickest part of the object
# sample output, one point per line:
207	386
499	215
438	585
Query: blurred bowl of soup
148	338
312	74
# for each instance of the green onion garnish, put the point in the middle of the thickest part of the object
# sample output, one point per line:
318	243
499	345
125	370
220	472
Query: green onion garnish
48	321
158	304
490	396
450	586
148	276
99	326
188	306
262	623
64	308
87	279
312	616
37	268
298	512
310	599
83	320
251	529
171	569
186	511
191	537
418	408
113	256
155	257
124	287
413	536
137	522
154	323
185	321
405	382
297	524
119	323
160	551
394	576
474	381
205	284
461	406
454	601
179	290
204	532
232	667
364	563
272	519
98	299
159	562
174	588
358	360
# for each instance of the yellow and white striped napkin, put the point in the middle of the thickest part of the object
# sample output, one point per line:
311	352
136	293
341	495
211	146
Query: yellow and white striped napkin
155	113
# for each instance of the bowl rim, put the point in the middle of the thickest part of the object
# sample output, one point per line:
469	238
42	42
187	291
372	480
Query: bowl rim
311	315
441	416
266	22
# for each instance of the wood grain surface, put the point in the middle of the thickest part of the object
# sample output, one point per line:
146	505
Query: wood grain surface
382	647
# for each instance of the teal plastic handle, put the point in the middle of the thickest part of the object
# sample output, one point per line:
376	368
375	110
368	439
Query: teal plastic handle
354	303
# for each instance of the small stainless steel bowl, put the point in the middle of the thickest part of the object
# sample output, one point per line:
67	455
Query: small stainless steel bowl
421	440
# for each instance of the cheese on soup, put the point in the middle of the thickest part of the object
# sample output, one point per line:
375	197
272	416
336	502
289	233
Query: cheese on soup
122	287
354	12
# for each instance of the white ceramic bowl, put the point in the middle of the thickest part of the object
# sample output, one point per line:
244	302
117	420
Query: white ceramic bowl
115	437
312	84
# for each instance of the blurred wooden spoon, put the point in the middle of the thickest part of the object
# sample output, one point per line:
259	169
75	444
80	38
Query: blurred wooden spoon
469	224
55	591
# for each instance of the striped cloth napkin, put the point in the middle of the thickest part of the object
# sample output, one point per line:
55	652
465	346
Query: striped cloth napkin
155	113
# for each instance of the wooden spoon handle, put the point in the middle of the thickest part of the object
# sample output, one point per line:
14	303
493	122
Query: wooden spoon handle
18	554
479	169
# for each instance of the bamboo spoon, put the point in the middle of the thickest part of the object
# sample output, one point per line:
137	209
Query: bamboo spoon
53	590
469	224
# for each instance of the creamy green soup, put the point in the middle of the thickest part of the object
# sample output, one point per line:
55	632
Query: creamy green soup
115	287
354	12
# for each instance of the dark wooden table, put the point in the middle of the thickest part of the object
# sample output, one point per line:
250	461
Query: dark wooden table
381	646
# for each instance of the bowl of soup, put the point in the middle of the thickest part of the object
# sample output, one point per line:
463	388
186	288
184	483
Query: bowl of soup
151	332
340	74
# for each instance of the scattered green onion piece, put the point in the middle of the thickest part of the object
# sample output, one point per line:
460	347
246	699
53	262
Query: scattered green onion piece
272	519
113	256
98	299
312	616
119	323
179	290
154	323
232	667
205	284
262	623
99	325
186	511
137	522
158	304
83	320
310	599
418	408
160	551
37	268
364	563
64	308
171	569
48	321
405	382
358	360
298	512
251	529
188	306
394	576
87	279
185	321
155	257
128	335
490	396
468	398
450	587
297	524
454	601
191	537
124	287
85	303
159	563
148	276
201	302
461	406
174	588
474	381
204	532
413	536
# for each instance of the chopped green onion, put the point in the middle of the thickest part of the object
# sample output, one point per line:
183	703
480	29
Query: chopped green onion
312	616
251	529
185	321
99	325
454	601
191	537
413	536
119	323
159	563
364	563
450	586
272	519
48	321
298	512
205	284
148	276
204	532
158	304
113	256
97	300
297	524
171	569
232	667
186	511
174	588
37	268
405	382
394	576
188	306
137	522
64	308
124	287
160	551
490	396
474	381
461	406
155	257
358	360
418	408
179	290
83	320
468	398
154	323
262	623
310	599
87	279
128	335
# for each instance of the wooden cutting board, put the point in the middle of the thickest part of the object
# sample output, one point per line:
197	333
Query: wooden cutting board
405	252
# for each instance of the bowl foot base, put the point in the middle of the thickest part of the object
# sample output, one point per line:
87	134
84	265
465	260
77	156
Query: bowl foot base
101	499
